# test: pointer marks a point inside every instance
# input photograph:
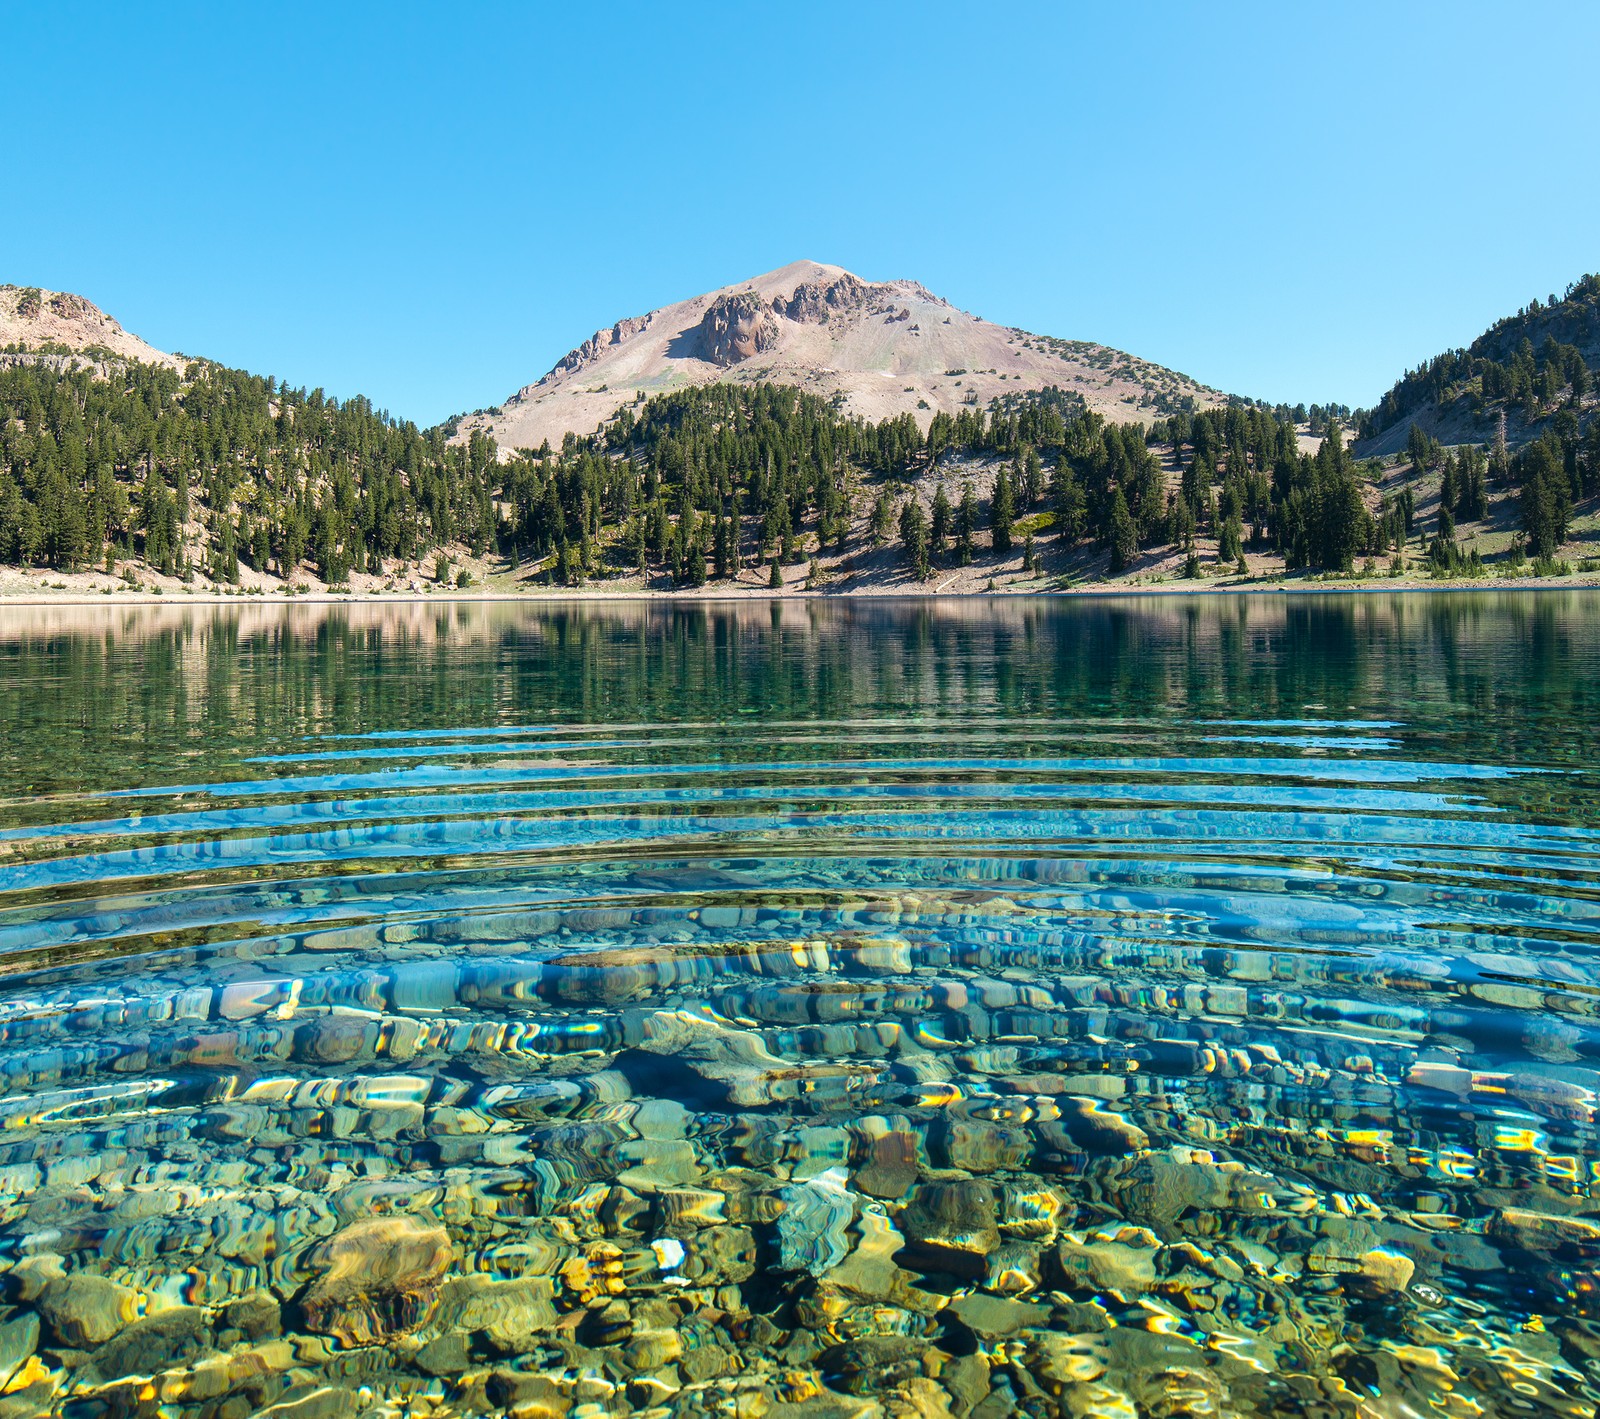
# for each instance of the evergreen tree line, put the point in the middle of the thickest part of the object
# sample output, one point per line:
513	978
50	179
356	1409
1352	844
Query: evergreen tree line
1235	473
1238	474
214	467
1555	471
698	482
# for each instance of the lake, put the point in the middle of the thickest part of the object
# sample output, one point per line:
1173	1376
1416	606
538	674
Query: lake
1145	1006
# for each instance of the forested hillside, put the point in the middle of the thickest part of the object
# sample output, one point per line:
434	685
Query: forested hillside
1509	383
212	476
701	481
198	471
211	471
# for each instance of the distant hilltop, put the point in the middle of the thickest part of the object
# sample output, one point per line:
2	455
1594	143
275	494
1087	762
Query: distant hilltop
1522	373
877	349
58	322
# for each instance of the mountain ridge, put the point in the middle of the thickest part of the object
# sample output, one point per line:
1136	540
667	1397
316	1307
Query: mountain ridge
877	349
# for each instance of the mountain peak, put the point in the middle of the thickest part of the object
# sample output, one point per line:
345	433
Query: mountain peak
36	319
878	349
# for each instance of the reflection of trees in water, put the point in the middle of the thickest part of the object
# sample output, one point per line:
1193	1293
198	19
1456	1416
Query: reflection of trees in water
169	680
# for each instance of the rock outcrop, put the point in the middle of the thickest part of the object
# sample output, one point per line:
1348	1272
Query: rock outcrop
33	319
736	328
595	346
816	301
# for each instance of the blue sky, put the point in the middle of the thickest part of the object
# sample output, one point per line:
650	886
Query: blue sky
430	205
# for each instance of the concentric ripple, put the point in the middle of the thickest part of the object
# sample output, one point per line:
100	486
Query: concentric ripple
1147	1007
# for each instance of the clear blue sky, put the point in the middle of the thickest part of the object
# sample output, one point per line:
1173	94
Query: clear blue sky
430	205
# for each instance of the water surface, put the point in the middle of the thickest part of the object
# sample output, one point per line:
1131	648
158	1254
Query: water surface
1115	1007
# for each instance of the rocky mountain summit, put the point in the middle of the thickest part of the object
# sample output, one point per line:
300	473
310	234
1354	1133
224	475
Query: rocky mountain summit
59	322
877	349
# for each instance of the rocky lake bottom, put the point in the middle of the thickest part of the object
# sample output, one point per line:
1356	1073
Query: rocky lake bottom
1094	1009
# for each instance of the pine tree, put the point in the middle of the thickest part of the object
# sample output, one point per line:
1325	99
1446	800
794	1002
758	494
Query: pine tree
1230	543
1122	537
1500	459
914	537
882	517
1546	501
1472	497
1071	503
1032	478
941	522
966	525
1002	511
1417	447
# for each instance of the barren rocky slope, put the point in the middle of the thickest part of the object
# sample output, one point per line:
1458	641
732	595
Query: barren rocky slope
38	319
879	349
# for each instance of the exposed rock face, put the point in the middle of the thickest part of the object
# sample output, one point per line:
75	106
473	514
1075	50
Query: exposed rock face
736	328
814	301
71	307
595	346
379	1276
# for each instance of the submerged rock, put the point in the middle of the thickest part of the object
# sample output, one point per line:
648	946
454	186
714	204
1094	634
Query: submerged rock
811	1227
19	1339
1386	1269
996	1318
157	1342
950	1227
870	1272
697	1061
508	1313
256	1316
83	1310
873	1364
1097	1129
1122	1262
378	1276
890	1167
1544	1231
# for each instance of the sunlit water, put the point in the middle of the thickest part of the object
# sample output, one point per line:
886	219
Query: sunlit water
1149	1007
